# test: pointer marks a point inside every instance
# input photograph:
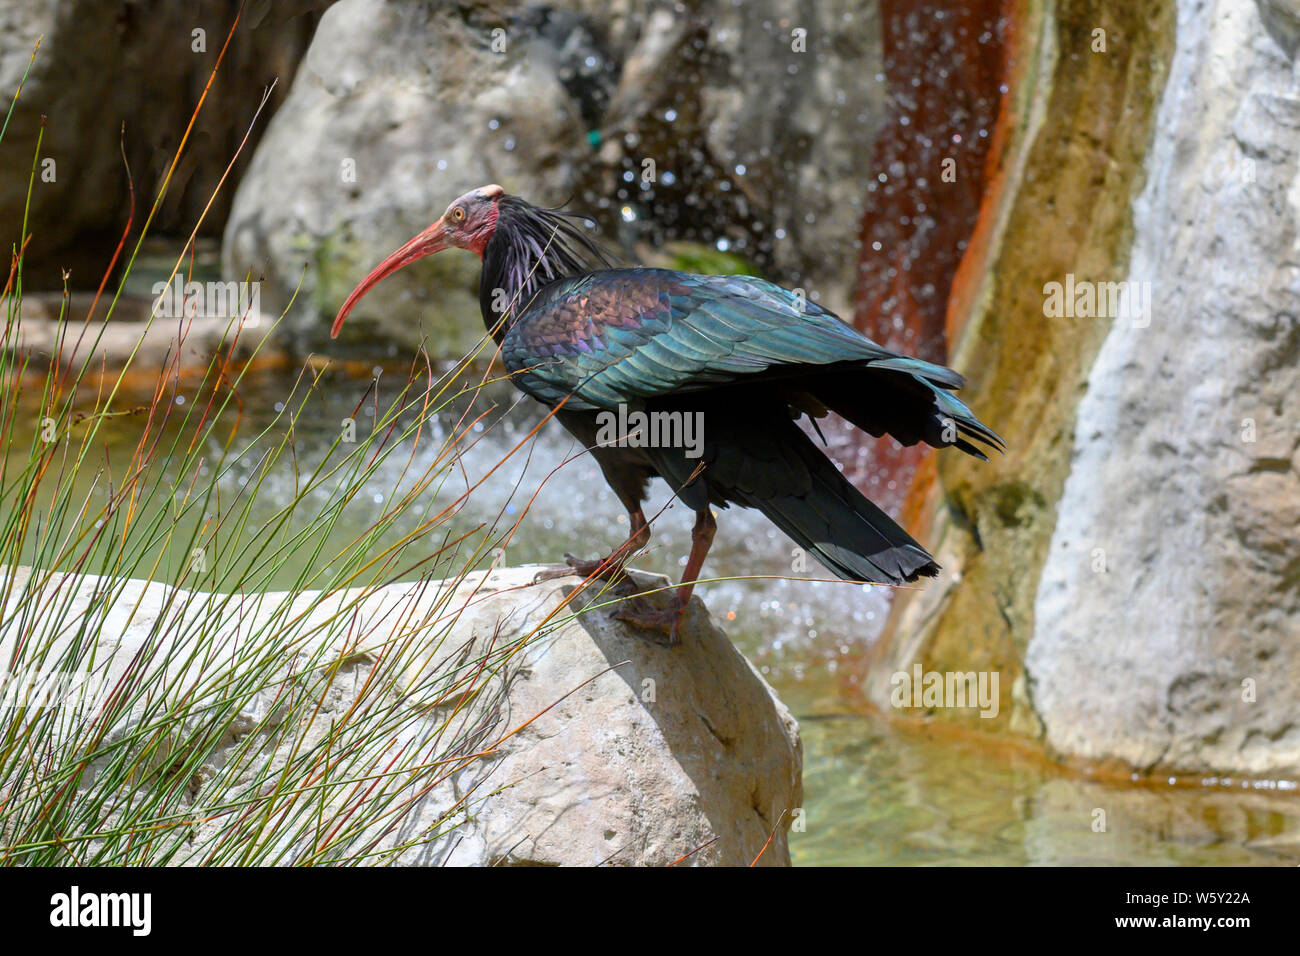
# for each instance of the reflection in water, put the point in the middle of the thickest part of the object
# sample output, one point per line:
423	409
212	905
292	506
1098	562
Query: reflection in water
874	793
877	794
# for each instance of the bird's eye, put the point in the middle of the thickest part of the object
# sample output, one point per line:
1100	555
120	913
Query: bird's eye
458	214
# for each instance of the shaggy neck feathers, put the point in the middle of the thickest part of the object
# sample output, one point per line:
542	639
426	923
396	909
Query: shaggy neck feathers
531	248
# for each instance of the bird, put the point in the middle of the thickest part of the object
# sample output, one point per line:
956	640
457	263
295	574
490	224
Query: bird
741	355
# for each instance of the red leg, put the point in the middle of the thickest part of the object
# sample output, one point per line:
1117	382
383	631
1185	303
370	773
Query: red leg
610	567
667	619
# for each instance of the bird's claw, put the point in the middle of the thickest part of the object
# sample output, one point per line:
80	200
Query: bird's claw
571	566
600	568
660	621
550	574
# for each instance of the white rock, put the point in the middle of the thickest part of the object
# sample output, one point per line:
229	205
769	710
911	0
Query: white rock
580	746
1185	650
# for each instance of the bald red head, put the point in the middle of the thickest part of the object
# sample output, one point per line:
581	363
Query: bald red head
469	223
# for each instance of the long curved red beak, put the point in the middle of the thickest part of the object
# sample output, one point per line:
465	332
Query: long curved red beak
434	239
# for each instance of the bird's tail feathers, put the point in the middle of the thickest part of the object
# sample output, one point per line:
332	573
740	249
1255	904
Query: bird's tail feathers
909	405
849	534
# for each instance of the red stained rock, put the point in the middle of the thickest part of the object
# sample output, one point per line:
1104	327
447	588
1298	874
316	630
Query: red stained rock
945	65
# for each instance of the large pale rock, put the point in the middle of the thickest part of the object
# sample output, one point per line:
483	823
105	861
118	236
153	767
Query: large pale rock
577	745
672	749
1168	614
1282	19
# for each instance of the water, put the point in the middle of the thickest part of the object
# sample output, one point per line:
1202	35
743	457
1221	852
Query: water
875	792
882	795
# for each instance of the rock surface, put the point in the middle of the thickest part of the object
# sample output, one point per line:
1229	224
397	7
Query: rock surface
585	744
1182	646
775	106
130	337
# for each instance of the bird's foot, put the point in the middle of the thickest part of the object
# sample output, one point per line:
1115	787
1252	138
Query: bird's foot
661	622
607	569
